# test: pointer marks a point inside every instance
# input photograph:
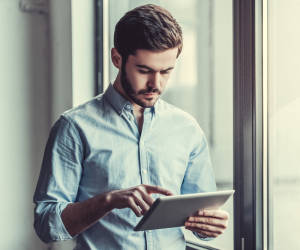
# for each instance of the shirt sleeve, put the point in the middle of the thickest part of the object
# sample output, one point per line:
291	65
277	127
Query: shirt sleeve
199	176
58	181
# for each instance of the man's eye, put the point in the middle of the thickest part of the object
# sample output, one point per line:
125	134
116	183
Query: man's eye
143	72
165	72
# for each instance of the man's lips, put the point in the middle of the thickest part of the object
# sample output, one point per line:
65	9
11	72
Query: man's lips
150	93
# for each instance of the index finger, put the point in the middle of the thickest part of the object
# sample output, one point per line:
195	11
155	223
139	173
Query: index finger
157	190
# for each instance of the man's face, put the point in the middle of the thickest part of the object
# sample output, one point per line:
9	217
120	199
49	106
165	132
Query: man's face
145	75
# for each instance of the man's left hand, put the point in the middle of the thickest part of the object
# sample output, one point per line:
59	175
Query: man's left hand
208	223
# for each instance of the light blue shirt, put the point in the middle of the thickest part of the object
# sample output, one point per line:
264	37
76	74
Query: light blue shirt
97	147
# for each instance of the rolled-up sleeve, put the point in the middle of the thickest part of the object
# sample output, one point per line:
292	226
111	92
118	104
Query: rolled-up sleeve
58	181
199	176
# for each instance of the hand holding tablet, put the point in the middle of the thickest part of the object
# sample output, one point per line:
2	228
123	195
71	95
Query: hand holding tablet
208	223
173	211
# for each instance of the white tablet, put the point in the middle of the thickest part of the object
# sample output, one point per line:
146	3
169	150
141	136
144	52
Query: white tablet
173	211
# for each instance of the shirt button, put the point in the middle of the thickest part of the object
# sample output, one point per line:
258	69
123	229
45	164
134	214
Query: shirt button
128	106
144	171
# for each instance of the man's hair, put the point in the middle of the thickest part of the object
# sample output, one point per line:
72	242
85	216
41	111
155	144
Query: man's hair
149	27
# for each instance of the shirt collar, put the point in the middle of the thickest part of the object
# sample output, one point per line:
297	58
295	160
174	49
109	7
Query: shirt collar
119	103
116	100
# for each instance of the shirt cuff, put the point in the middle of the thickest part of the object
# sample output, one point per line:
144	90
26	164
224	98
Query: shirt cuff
64	234
48	223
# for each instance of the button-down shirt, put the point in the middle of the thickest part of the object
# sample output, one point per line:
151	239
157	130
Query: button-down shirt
97	147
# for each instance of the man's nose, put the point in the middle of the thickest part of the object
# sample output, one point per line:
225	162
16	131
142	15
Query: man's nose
154	81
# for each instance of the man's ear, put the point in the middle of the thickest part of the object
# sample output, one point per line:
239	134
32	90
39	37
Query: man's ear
116	58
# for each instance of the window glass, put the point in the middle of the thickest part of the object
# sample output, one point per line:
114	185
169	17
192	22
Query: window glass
201	83
284	124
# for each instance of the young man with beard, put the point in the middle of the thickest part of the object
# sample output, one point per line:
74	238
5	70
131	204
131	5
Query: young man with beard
106	160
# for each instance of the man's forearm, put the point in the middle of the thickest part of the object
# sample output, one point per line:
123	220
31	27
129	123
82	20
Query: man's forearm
79	216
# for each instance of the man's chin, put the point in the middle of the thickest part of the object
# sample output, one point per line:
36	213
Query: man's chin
146	102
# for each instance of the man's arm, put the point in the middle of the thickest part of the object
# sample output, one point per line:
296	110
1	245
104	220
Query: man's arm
199	177
59	179
79	216
57	215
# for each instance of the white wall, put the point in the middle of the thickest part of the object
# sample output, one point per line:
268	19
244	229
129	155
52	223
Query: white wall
37	71
60	63
25	105
83	50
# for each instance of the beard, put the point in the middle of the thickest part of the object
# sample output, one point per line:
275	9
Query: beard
134	95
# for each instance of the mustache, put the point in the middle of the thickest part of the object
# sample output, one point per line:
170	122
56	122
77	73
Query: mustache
149	91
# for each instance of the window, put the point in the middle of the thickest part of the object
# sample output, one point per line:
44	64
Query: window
284	124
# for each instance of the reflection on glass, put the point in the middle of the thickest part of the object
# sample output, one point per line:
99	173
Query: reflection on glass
201	83
284	124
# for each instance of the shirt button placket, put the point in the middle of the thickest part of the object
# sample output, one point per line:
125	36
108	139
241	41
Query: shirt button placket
144	170
143	163
142	148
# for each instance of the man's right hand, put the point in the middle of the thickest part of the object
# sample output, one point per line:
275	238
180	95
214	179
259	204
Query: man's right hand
137	198
79	216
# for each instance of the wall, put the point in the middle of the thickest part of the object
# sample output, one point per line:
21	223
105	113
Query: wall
25	104
37	71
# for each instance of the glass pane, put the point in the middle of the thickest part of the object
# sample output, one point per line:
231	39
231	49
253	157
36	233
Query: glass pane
201	83
284	123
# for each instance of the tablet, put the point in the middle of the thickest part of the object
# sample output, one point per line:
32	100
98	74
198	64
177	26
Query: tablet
173	211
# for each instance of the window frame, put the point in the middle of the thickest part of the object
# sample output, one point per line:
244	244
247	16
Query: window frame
249	124
99	46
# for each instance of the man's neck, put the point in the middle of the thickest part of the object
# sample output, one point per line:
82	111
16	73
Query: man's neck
137	109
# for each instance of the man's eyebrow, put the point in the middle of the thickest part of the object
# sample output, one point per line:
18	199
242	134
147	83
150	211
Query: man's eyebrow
148	68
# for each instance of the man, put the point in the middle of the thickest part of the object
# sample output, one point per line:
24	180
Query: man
107	160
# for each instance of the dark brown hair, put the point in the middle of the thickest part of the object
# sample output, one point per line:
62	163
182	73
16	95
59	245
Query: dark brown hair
149	27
